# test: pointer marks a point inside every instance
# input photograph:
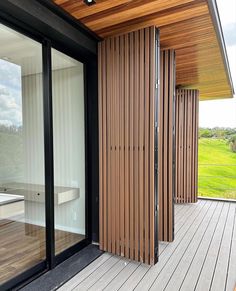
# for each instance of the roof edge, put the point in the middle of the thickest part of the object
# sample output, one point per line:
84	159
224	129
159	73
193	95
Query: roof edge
214	12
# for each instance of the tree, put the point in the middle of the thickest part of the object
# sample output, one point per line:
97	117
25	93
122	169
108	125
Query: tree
232	143
205	132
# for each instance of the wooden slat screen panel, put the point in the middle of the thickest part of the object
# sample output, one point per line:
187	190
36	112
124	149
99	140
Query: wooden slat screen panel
187	102
166	143
126	142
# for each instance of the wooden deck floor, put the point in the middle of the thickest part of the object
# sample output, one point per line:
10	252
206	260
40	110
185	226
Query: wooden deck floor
202	257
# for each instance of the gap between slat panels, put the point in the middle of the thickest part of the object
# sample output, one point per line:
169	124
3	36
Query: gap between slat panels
126	140
166	145
186	146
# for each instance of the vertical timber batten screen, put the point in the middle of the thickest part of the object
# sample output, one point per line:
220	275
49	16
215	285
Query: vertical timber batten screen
187	102
126	145
166	155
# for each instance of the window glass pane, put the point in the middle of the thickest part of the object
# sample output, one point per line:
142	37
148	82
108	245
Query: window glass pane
22	199
69	150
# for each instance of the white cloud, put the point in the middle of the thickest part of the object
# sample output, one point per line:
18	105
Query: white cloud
10	111
10	94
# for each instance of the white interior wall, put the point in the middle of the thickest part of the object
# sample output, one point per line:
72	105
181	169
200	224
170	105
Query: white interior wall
69	142
32	130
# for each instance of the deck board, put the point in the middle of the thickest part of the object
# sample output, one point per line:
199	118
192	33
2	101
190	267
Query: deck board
230	281
219	280
122	276
151	276
195	266
85	272
110	275
96	276
208	268
183	265
184	250
202	256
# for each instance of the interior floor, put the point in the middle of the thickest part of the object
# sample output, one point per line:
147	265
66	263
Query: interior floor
22	246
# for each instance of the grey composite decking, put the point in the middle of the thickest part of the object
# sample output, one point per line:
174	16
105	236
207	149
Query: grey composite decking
202	256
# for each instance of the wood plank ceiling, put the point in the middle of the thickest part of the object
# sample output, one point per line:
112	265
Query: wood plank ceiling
185	25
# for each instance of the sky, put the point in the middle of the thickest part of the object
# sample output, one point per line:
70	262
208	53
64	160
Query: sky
222	113
10	94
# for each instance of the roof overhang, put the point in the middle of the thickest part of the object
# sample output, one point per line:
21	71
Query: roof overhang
191	27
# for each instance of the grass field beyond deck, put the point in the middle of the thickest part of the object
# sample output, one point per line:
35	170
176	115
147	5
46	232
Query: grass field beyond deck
217	169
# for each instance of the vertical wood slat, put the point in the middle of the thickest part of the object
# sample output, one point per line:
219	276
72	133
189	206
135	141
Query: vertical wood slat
136	130
109	120
165	146
196	145
152	144
121	145
113	162
146	146
186	145
185	148
126	147
117	112
131	151
141	145
126	132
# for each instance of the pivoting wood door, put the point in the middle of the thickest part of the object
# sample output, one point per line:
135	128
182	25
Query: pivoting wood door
127	100
166	146
186	145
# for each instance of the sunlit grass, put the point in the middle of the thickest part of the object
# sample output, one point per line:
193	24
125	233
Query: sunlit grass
217	169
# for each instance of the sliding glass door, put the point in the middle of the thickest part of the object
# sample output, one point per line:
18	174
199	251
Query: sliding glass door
69	150
38	85
22	190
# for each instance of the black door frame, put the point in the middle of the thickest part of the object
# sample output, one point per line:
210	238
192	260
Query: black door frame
83	47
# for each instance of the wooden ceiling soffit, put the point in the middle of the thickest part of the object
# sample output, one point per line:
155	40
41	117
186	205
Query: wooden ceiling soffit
190	27
159	19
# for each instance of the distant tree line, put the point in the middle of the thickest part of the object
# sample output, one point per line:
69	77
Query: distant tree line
228	134
11	152
10	128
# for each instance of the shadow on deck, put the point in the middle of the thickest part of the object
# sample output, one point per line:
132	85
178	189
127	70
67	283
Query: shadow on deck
202	256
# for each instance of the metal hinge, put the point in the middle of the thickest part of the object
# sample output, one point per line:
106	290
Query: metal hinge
156	210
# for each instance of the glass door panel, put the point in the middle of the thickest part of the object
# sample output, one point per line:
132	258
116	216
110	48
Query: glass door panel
22	198
69	150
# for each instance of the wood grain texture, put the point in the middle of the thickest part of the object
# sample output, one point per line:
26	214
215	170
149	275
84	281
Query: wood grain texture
202	253
186	141
23	246
126	139
165	146
185	26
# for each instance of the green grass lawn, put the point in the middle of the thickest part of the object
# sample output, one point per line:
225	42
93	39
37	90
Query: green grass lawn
217	169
